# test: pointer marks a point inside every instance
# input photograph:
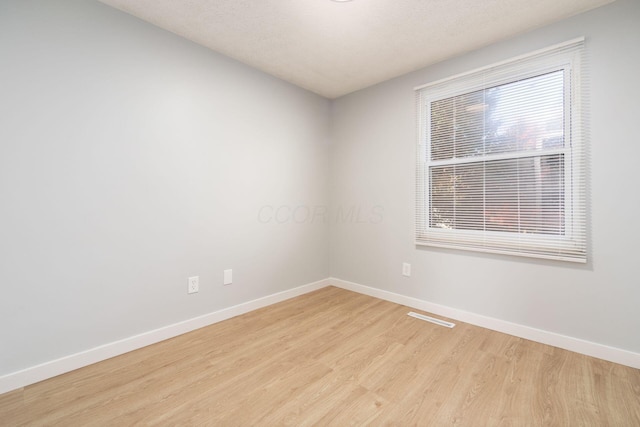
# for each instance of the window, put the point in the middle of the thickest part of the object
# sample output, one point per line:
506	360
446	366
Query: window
501	164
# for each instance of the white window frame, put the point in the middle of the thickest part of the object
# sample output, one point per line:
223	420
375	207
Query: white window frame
571	246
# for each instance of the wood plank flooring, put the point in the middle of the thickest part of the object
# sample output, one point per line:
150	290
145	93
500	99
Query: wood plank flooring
333	357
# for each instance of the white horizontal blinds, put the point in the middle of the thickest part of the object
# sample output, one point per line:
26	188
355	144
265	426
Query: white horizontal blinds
486	191
517	196
500	159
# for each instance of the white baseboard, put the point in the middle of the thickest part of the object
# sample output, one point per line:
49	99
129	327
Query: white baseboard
16	380
577	345
34	374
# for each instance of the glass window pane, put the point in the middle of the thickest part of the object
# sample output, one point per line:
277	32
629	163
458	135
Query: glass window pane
520	116
515	195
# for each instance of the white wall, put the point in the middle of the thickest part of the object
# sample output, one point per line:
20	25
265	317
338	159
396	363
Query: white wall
372	163
131	159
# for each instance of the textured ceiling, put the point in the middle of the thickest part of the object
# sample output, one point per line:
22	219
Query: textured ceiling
334	48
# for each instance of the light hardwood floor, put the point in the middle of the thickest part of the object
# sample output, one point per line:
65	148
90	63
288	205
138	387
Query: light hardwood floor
335	357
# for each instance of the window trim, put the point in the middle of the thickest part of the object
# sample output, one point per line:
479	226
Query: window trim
571	246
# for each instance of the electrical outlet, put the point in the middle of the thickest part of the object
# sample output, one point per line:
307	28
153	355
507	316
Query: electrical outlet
194	285
406	269
228	277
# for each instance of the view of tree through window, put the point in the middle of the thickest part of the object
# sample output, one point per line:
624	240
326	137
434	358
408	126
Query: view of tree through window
497	158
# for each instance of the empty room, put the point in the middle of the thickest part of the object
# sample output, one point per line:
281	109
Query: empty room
319	212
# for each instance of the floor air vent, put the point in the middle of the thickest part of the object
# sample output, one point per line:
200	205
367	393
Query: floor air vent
431	319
